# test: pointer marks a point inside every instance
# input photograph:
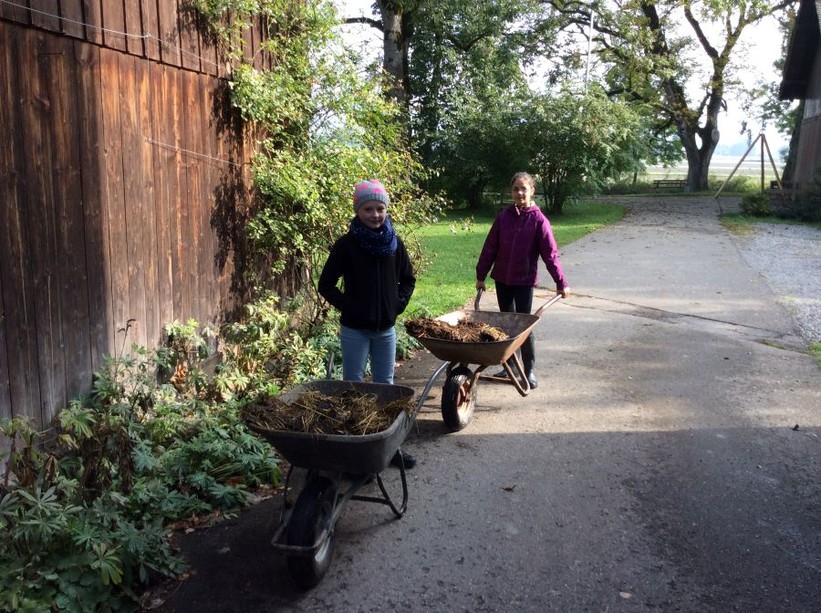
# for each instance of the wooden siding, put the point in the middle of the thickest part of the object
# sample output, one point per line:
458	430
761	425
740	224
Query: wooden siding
115	204
159	30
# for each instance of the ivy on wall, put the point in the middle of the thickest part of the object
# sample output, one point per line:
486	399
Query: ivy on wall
326	125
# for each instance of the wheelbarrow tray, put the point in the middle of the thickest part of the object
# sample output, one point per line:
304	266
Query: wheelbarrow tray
347	453
516	325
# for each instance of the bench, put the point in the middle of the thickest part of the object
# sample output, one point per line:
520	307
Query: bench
785	185
669	183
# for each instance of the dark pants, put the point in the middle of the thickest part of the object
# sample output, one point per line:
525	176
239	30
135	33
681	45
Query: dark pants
518	299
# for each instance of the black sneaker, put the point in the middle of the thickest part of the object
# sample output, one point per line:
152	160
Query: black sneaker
502	374
531	378
401	457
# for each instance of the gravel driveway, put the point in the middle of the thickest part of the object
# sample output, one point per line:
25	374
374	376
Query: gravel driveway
789	258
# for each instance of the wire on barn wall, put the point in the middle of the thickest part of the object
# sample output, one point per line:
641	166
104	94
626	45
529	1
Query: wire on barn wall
192	153
109	31
148	36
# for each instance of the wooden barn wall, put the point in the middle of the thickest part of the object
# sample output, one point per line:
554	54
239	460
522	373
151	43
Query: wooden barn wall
159	30
808	163
120	184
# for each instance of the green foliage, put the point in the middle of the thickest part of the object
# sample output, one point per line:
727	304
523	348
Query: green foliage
756	205
86	506
466	73
656	56
276	344
578	143
815	350
325	127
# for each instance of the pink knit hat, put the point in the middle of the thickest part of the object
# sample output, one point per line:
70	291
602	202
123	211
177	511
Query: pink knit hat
365	191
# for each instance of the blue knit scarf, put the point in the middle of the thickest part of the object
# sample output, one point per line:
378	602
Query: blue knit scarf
378	242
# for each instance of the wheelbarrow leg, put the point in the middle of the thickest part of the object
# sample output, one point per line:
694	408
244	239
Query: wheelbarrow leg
517	377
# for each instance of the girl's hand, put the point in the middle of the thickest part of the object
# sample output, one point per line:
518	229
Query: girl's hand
564	292
480	285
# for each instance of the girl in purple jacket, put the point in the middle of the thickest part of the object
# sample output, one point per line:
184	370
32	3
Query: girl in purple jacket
519	235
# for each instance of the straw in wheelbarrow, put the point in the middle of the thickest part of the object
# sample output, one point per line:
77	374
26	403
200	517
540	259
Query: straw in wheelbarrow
351	412
464	331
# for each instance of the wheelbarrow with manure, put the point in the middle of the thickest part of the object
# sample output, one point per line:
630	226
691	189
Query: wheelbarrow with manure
459	391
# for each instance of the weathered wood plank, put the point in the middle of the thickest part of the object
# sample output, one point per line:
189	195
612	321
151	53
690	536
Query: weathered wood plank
69	267
217	168
167	165
73	18
148	218
169	32
45	14
189	248
94	21
17	12
89	105
134	206
189	42
220	199
151	28
114	28
133	27
19	371
114	204
248	49
39	158
208	56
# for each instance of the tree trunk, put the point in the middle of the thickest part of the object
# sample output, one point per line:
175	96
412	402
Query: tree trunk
475	191
396	42
698	157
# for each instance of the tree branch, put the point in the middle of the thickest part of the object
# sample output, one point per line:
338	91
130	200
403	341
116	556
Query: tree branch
368	21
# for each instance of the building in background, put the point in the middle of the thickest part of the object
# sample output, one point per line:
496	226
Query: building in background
801	80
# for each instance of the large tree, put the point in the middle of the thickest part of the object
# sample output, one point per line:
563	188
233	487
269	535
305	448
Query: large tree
394	20
652	49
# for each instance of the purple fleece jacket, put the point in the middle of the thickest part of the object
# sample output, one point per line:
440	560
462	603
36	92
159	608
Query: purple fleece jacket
516	240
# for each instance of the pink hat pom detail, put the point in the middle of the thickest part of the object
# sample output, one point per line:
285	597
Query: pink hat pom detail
366	191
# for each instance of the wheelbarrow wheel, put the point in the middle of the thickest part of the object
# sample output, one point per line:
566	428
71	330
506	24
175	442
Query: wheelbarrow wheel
311	517
458	399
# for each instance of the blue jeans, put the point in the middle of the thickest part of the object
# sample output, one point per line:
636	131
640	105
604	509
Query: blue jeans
357	345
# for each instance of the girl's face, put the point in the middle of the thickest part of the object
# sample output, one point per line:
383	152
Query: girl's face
372	214
522	191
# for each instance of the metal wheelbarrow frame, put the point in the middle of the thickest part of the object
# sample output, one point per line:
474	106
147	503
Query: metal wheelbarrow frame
334	467
460	389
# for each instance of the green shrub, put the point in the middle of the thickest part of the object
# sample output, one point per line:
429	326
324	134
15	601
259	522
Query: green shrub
756	205
86	507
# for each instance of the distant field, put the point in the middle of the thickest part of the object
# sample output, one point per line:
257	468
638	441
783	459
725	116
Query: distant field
722	166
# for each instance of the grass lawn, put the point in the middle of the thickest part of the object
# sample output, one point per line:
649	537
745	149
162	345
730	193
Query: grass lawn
451	248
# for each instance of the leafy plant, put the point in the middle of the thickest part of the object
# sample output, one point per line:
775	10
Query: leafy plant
756	205
86	507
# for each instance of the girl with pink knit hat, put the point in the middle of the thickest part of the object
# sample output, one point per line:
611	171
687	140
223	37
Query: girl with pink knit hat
377	284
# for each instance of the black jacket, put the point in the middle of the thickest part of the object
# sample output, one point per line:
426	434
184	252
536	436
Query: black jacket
376	288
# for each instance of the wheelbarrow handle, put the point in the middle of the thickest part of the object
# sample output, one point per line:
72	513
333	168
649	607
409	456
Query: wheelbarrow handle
478	298
538	312
541	309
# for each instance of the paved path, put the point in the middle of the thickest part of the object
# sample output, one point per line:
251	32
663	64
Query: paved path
668	461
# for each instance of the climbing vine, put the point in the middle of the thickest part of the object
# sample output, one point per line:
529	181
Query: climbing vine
326	125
